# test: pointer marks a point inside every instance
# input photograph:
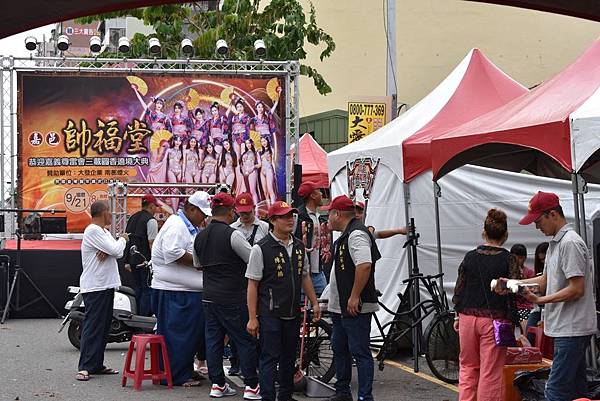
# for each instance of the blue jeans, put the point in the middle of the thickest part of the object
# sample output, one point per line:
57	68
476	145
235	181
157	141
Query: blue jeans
567	376
350	339
230	320
96	326
142	290
319	282
278	343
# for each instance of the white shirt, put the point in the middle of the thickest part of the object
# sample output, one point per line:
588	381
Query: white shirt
314	254
100	275
171	243
261	231
152	229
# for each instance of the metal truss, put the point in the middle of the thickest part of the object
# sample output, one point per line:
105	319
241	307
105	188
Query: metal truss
289	70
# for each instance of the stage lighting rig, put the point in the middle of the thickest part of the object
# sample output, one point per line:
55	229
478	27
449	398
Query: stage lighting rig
154	46
124	45
260	50
221	48
30	43
187	47
95	44
63	43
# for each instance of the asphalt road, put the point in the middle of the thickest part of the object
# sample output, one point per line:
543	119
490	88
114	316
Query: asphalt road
37	363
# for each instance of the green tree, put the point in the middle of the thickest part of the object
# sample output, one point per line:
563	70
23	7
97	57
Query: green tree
282	24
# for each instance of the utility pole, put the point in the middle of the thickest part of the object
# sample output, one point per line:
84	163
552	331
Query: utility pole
391	75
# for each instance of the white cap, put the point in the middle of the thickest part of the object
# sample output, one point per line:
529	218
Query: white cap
201	199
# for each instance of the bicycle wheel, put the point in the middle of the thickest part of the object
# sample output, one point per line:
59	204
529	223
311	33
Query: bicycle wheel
442	348
318	354
398	338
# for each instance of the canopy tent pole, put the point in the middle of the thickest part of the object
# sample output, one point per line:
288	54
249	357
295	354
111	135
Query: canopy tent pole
576	203
437	193
407	220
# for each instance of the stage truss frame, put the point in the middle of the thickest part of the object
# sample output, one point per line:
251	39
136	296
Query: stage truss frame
10	66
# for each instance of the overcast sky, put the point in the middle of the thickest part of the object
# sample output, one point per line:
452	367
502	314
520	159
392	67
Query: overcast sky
15	45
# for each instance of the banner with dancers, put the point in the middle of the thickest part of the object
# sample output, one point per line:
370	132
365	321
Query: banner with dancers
79	132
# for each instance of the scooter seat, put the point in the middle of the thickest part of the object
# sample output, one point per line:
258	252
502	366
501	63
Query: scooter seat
126	290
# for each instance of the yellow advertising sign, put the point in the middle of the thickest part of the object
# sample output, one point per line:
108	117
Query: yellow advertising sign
365	118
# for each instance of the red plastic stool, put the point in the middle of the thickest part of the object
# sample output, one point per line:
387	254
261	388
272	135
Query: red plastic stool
545	344
139	342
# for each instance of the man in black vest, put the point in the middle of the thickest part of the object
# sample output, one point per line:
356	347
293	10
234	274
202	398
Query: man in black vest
223	254
308	229
277	269
352	299
142	228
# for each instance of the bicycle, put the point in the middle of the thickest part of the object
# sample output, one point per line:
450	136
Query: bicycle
440	341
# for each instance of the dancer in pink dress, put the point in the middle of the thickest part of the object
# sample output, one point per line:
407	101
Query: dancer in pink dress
197	122
249	165
175	166
157	173
239	121
264	121
228	166
209	165
179	124
216	127
267	170
155	119
191	162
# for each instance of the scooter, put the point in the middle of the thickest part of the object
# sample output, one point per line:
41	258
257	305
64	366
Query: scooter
125	321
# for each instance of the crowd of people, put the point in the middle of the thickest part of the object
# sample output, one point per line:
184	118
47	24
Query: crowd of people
214	147
223	277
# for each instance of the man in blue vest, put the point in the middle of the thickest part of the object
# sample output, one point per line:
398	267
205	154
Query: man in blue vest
223	254
352	299
277	269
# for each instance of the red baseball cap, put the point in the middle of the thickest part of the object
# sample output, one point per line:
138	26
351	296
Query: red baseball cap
222	199
360	205
540	203
306	188
281	208
244	203
150	199
341	203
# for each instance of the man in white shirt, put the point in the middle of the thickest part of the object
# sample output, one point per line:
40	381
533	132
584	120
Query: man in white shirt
177	285
308	229
100	277
253	229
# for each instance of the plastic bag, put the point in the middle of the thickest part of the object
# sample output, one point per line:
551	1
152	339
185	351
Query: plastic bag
531	384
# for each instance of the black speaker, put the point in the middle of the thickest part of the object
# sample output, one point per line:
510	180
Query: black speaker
54	225
296	201
2	228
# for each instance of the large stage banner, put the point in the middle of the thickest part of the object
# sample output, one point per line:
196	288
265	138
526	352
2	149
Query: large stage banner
79	132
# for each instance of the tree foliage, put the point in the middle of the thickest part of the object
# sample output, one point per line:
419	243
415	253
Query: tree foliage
282	24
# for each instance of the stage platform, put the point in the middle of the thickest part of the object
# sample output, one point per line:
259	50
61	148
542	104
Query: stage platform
52	265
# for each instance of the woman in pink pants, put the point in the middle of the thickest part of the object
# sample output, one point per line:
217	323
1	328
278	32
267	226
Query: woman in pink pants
481	360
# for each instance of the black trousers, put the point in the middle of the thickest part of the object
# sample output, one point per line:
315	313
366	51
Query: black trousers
96	326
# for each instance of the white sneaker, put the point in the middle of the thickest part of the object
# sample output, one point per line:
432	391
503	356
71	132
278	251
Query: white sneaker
252	393
219	392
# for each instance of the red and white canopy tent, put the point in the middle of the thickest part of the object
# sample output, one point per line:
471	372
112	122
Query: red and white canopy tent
474	87
313	159
551	131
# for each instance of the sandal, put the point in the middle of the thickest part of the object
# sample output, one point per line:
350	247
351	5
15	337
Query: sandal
192	383
82	376
107	371
203	370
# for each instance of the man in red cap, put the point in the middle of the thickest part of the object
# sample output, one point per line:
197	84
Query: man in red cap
308	229
223	254
142	228
566	288
253	229
352	299
383	234
277	269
